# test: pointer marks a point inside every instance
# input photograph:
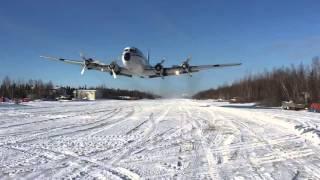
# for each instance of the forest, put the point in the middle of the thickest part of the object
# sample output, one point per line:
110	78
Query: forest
37	89
300	84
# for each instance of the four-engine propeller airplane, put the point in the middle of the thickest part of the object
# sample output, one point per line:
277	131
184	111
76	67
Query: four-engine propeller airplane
136	64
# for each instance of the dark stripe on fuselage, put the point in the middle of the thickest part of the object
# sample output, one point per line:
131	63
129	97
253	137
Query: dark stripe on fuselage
132	55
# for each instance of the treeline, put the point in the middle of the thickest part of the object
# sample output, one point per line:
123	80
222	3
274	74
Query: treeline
20	89
37	89
107	93
300	84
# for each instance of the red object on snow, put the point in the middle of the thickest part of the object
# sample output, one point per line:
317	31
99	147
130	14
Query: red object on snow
315	107
26	99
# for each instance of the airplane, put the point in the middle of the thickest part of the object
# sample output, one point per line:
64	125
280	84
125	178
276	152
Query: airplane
136	64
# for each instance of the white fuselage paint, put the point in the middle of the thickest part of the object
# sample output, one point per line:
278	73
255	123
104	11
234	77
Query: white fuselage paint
135	61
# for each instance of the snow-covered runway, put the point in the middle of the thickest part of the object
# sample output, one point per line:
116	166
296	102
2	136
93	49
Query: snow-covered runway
157	139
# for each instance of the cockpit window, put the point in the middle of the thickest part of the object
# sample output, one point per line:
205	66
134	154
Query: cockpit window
133	50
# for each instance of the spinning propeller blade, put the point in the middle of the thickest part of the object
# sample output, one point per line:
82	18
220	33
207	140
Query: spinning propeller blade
114	74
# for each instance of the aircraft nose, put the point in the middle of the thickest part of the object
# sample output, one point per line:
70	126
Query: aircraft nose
127	56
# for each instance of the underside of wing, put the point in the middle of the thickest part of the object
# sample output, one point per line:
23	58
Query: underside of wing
205	67
184	68
90	64
124	72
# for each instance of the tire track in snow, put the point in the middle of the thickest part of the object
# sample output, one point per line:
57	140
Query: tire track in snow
130	148
212	171
53	119
63	127
104	121
117	171
225	149
100	122
121	172
113	123
263	153
278	150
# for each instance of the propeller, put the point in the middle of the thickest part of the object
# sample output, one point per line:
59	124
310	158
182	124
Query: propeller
83	69
114	74
186	67
113	66
87	61
159	67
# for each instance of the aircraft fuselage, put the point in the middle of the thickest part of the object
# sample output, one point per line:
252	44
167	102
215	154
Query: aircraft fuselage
134	60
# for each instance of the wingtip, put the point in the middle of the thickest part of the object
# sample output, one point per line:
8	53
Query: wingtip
43	56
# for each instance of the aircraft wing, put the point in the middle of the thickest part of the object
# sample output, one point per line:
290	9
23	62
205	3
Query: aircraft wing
206	67
70	61
186	69
89	64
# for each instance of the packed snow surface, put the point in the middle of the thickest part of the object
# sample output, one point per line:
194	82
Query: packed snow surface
157	139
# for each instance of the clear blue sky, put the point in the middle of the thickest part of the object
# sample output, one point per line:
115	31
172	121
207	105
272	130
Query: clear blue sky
260	34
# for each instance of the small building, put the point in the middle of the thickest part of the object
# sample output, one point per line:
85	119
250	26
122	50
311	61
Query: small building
84	94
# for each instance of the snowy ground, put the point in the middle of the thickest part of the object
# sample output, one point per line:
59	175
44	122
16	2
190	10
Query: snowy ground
161	139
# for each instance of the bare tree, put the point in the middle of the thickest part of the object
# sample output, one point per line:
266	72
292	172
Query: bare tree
272	87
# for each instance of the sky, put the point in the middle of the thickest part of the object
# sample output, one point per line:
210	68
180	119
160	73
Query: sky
259	34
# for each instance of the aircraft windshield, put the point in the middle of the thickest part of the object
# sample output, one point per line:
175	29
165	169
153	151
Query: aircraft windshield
133	50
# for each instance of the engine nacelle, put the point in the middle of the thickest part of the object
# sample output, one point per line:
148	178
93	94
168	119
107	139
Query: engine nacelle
159	68
185	67
115	67
88	61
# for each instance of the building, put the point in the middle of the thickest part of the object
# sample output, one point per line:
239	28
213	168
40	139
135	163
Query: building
84	94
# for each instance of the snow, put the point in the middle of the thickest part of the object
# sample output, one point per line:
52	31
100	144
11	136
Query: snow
157	139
